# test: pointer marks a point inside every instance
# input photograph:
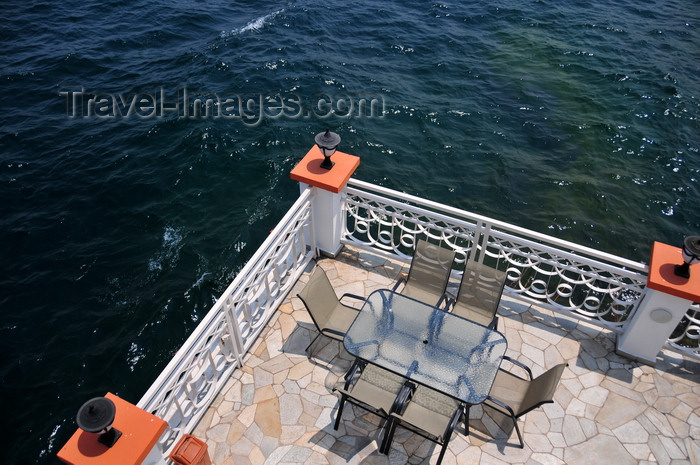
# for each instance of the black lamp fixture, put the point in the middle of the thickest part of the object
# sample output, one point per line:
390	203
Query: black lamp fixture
327	141
96	416
691	255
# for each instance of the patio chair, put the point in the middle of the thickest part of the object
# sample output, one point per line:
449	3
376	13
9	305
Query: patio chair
429	273
430	414
331	317
515	396
479	294
375	389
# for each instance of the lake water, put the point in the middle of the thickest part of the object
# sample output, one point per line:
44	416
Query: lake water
127	208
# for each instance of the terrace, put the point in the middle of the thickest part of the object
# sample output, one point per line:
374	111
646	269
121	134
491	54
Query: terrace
243	383
279	408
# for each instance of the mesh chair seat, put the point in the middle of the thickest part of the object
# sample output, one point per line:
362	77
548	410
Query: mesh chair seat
376	390
515	396
331	317
429	274
479	294
339	318
430	414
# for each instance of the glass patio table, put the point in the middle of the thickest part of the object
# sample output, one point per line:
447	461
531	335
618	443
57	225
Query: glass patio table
427	345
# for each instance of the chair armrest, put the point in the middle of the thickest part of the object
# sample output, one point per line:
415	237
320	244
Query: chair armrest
354	296
398	283
356	365
494	323
333	331
402	397
351	374
520	364
453	422
447	300
501	404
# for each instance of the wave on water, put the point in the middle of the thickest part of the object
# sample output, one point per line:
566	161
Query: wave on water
172	239
254	25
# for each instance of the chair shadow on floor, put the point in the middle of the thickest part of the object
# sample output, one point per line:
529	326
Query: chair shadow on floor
489	425
325	352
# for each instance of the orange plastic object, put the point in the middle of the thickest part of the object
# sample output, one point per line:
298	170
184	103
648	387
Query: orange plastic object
309	171
140	431
661	277
190	451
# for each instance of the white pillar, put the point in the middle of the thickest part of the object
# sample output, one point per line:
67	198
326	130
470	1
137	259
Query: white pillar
653	322
667	299
327	215
327	209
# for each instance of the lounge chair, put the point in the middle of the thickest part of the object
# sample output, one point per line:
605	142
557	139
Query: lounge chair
479	294
515	396
331	317
430	414
429	273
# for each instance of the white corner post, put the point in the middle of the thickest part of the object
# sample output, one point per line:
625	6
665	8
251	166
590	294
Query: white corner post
666	300
327	199
327	215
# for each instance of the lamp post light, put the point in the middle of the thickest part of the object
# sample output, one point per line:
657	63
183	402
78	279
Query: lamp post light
327	141
691	255
96	416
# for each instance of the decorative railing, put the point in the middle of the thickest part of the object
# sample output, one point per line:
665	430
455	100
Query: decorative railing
567	277
185	389
686	337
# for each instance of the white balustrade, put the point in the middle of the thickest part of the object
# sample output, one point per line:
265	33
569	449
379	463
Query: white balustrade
540	269
566	277
189	383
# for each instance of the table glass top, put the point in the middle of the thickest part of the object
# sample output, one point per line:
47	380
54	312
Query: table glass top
430	346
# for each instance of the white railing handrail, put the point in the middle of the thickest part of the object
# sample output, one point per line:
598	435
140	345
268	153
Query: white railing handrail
217	345
456	213
580	281
541	269
182	354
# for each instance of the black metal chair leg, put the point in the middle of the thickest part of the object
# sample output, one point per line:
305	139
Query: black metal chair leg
517	430
466	419
442	454
312	343
388	437
340	412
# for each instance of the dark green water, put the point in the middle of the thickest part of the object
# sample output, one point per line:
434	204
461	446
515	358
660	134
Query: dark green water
120	228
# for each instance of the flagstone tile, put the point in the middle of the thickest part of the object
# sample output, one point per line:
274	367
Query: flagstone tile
631	433
573	433
621	390
660	421
638	451
600	449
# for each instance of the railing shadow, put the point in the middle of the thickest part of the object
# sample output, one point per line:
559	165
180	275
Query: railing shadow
595	343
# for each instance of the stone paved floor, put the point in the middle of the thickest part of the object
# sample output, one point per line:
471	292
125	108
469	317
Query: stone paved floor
279	408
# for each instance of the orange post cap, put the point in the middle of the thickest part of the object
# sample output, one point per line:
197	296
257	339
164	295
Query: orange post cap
664	259
140	431
309	170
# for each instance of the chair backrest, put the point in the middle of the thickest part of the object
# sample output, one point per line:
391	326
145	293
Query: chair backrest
319	297
431	267
480	289
541	389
